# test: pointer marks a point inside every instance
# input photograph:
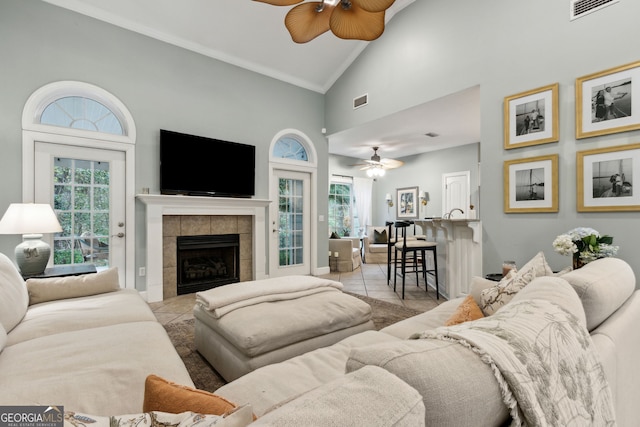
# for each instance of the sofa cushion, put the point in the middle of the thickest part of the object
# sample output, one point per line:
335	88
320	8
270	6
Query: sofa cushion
166	396
3	338
368	397
87	370
54	288
497	296
457	388
603	285
14	298
467	310
55	317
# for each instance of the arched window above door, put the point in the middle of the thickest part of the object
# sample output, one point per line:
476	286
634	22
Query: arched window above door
78	112
290	148
293	147
78	109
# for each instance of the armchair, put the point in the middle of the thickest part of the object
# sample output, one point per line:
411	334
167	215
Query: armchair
348	253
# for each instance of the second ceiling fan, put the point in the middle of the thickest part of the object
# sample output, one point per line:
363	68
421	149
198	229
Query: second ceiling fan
377	166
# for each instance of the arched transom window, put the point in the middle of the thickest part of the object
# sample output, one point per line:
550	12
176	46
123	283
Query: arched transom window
77	112
290	148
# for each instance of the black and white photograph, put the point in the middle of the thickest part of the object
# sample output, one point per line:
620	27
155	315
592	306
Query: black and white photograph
531	184
606	179
612	178
611	101
531	117
607	102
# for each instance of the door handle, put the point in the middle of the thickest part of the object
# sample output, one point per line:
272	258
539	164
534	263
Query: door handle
121	235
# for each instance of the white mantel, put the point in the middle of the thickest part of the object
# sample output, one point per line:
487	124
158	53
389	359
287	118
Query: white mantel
159	205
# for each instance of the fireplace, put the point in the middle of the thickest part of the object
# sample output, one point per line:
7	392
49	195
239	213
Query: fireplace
205	262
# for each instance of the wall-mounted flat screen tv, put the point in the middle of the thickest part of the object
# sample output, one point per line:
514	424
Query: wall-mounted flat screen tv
200	166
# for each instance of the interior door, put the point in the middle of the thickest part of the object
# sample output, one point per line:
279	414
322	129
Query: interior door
456	194
290	219
86	187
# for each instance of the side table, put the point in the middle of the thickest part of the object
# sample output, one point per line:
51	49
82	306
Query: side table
64	270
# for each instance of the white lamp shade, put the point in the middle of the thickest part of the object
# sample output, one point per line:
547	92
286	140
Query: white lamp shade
29	218
387	197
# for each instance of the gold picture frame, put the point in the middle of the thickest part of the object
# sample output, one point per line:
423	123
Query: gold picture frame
531	118
608	179
531	185
608	101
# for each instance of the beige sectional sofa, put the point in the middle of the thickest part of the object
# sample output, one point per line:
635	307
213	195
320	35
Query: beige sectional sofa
456	385
81	342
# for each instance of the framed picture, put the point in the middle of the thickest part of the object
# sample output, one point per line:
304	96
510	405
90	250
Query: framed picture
607	179
608	102
531	118
531	185
407	203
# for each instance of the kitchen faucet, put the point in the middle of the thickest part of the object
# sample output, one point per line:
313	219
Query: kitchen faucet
448	215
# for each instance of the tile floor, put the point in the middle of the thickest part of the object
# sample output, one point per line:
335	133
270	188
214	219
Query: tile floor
369	280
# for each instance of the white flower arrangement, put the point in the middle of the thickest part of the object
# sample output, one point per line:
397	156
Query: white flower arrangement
587	243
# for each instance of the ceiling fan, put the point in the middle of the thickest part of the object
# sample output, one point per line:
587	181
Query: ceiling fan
378	166
347	19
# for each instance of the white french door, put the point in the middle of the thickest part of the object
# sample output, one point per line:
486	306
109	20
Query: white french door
86	187
290	242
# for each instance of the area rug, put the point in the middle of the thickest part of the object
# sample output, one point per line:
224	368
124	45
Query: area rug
206	378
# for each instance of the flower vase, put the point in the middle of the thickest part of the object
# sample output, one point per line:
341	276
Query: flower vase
577	262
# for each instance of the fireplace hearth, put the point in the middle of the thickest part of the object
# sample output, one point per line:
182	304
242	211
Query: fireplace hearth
208	261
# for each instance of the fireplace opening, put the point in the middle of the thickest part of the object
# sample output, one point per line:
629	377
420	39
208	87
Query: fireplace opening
205	262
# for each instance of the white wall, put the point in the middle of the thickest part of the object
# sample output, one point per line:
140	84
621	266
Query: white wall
437	47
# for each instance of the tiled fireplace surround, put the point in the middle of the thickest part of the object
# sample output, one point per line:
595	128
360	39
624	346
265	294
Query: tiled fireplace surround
200	225
170	216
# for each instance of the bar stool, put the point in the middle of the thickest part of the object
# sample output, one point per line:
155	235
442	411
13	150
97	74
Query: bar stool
418	264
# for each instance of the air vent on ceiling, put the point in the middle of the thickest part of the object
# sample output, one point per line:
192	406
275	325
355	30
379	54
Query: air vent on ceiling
580	8
360	101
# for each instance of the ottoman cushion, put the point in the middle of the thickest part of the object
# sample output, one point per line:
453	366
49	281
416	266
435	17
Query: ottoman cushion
267	326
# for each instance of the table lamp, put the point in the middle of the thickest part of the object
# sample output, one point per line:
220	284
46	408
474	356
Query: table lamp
30	220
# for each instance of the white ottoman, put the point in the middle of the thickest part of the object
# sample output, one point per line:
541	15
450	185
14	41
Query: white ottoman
269	323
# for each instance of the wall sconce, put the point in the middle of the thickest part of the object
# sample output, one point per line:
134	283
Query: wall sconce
424	198
389	200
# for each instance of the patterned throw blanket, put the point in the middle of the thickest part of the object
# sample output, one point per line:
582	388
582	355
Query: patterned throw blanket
544	361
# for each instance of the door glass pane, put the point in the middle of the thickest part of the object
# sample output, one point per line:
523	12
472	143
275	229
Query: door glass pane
291	216
81	201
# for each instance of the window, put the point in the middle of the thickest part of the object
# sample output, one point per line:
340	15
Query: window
343	219
288	147
77	112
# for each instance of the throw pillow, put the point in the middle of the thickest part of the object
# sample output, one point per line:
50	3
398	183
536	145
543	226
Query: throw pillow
54	288
497	296
334	235
467	310
380	236
166	396
240	418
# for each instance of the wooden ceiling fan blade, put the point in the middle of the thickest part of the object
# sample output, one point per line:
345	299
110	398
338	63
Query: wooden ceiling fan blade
356	23
391	163
305	23
374	5
280	2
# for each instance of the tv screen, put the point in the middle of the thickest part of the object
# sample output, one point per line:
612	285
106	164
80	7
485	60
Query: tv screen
199	166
